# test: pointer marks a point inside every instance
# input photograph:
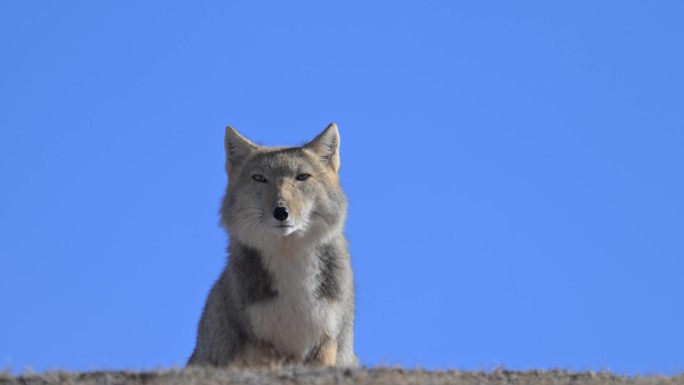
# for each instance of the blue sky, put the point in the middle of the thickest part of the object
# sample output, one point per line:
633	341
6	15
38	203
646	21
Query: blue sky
514	172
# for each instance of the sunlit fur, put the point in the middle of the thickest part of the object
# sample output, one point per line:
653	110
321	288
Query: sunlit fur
306	312
316	205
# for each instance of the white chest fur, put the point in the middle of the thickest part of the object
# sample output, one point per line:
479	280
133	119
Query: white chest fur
295	321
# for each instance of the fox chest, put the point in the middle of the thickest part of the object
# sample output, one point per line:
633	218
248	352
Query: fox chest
296	320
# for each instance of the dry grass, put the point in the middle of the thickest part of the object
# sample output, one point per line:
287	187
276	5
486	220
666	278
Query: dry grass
314	376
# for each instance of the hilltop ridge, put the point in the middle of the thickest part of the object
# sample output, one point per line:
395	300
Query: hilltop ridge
342	376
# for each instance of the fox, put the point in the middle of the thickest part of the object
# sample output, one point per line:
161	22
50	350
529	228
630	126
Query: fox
286	294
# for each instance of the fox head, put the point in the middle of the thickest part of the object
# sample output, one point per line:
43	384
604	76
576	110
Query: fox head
283	195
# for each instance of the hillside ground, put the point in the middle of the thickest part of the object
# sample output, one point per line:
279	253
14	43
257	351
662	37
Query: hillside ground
319	376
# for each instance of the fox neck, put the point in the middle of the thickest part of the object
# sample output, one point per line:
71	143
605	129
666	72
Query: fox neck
289	247
294	267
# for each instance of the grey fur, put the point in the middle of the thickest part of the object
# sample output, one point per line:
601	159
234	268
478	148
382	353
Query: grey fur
248	266
287	293
329	287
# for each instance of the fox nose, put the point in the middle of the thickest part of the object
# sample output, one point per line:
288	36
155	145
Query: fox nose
280	213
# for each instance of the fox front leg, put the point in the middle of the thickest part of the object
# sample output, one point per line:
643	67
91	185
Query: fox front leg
326	354
255	355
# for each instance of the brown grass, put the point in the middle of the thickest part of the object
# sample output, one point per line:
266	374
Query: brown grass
316	376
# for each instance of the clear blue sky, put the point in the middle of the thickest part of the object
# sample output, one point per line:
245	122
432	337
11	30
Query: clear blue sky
515	172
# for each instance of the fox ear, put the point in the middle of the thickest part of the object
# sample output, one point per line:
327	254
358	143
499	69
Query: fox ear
327	146
238	148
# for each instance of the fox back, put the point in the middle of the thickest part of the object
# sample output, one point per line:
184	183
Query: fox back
287	292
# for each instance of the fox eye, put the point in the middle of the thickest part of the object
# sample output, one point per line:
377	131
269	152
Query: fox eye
303	176
259	178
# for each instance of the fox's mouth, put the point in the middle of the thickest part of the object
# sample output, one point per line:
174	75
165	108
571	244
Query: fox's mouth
284	229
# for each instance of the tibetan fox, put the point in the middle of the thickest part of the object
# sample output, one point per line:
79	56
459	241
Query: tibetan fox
287	292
